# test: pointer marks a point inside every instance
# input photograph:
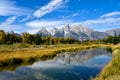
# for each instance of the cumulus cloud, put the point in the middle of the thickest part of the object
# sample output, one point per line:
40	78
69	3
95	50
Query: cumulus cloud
8	8
112	14
51	6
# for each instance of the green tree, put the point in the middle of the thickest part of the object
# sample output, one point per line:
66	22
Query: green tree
2	37
31	39
38	39
13	38
112	39
25	37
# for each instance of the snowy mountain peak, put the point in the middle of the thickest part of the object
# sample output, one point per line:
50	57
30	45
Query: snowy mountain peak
77	32
80	28
44	32
53	31
66	27
114	31
10	32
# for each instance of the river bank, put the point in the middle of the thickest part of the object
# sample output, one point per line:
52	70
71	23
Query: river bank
33	54
112	70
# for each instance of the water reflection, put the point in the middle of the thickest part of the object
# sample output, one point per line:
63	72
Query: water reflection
67	66
81	56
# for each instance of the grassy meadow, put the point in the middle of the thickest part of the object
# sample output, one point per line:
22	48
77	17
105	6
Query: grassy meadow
18	53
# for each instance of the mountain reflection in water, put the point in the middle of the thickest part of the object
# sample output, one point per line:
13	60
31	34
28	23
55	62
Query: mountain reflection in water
65	66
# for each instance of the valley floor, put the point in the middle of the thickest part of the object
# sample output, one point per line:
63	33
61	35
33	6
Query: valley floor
20	53
14	54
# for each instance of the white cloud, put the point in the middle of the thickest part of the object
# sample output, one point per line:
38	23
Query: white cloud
8	7
72	15
104	22
8	25
112	14
52	5
33	30
46	23
75	14
26	18
97	24
36	25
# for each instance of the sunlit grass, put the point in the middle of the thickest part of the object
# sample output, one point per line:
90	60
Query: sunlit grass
14	54
112	70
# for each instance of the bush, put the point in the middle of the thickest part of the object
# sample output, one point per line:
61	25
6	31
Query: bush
23	45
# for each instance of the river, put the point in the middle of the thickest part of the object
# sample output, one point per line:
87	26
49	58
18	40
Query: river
80	65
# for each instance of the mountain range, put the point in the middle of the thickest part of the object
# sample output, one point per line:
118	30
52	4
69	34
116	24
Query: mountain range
78	32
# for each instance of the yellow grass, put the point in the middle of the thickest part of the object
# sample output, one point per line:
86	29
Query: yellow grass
43	51
112	70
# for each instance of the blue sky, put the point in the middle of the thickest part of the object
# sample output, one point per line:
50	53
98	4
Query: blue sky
32	15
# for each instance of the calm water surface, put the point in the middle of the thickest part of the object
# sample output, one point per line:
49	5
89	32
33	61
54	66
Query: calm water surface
80	65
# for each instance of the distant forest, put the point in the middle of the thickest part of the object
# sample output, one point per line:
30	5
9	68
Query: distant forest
11	38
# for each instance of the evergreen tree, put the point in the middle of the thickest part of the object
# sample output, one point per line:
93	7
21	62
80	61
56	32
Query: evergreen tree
38	39
25	37
2	37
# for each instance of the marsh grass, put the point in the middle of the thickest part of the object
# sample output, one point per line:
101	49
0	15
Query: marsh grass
15	54
112	70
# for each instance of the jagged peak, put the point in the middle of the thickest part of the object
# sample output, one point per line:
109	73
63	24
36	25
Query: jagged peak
66	27
44	30
53	31
78	32
81	27
113	31
10	32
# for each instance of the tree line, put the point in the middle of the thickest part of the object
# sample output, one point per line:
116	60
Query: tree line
112	39
11	38
108	40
